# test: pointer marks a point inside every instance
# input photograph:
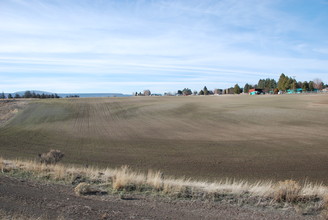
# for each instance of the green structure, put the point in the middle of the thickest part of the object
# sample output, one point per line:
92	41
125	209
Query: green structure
295	91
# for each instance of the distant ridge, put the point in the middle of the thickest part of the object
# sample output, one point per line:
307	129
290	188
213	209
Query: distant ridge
64	95
93	95
35	91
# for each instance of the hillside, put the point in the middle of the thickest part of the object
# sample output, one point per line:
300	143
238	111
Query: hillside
240	137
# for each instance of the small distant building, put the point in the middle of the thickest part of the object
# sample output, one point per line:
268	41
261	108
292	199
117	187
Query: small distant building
295	91
229	91
218	91
256	91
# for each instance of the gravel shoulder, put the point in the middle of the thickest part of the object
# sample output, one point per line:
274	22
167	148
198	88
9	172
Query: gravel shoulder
31	200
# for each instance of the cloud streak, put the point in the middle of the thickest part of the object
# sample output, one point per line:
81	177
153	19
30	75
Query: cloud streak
160	42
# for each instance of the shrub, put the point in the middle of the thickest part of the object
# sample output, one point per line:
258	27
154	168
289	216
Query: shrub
52	157
86	189
82	189
287	191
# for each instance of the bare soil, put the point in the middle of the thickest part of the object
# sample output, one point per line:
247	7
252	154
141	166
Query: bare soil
27	199
207	138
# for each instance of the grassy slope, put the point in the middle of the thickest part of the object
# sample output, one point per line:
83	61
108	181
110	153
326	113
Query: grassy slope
242	137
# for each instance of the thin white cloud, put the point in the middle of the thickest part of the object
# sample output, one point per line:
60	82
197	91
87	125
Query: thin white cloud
321	50
204	41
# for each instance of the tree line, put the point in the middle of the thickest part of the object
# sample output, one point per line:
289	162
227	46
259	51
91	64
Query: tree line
29	94
266	85
286	83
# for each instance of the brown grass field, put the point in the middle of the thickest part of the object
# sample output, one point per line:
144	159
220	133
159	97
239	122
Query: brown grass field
239	137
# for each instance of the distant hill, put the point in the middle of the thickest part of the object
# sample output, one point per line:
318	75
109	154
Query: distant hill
63	95
93	95
35	91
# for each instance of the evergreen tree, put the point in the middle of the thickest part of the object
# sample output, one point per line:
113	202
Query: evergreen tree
186	91
27	94
273	84
2	95
294	85
311	86
305	86
261	84
10	96
246	88
236	89
282	82
206	92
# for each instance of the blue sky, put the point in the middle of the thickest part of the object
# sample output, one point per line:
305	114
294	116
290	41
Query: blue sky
132	45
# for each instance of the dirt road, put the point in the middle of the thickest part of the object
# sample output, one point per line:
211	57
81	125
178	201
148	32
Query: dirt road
19	197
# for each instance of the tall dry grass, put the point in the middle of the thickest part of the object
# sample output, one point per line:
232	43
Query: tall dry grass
1	164
125	178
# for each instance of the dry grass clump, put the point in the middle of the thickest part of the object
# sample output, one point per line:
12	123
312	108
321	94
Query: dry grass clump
59	173
7	165
1	164
124	178
155	179
325	202
88	180
287	191
324	206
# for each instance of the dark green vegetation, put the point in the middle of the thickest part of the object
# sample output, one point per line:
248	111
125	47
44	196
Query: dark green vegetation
242	137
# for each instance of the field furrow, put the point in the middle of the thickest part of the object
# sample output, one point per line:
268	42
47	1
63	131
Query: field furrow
242	137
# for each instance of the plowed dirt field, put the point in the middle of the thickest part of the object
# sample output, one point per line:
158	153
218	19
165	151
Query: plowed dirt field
241	137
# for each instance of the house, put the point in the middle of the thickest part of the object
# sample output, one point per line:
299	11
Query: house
255	91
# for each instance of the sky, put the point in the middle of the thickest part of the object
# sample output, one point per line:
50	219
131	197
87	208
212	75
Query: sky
92	46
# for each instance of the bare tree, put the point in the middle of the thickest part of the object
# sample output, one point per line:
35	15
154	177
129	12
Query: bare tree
317	83
147	92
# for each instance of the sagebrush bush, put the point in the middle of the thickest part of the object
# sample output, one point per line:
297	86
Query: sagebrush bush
287	191
52	157
86	189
